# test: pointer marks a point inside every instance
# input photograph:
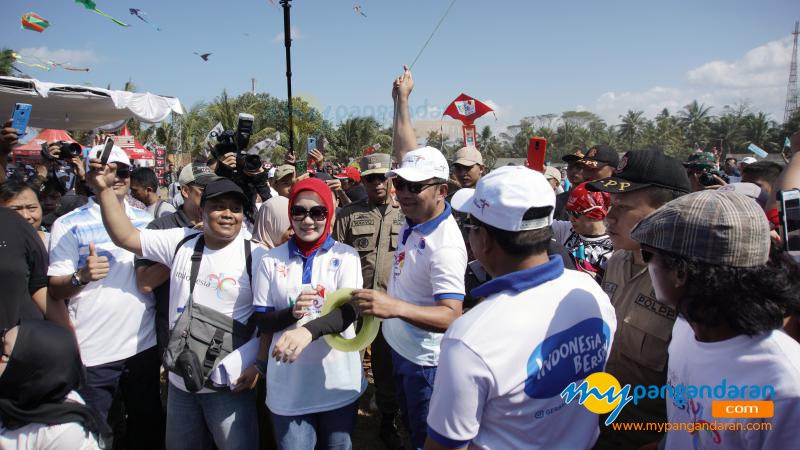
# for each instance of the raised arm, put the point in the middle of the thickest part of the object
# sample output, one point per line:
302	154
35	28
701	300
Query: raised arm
119	226
403	139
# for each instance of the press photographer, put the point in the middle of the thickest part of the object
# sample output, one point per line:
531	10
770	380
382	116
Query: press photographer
238	164
704	173
65	165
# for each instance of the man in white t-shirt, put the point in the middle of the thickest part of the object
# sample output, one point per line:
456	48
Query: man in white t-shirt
505	363
114	322
223	283
426	286
708	254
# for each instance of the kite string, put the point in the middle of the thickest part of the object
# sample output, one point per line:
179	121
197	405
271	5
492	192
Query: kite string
432	33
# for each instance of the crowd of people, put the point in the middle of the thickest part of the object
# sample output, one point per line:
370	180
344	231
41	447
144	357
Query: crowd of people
667	273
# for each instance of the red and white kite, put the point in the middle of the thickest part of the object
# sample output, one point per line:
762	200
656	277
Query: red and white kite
467	109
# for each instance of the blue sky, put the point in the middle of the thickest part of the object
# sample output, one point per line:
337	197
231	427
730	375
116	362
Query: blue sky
524	57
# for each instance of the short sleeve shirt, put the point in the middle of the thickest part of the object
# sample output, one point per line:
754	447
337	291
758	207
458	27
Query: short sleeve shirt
429	265
23	267
112	319
505	363
322	378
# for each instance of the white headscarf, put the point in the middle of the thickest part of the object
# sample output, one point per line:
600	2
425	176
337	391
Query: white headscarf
272	222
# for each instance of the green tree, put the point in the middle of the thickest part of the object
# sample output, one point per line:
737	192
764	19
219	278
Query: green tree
7	67
631	130
695	118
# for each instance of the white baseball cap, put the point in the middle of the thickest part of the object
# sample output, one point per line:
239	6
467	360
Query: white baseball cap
502	198
422	164
748	160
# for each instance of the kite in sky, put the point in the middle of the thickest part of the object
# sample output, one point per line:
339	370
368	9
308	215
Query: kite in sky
33	61
92	6
358	9
203	55
34	22
467	109
140	14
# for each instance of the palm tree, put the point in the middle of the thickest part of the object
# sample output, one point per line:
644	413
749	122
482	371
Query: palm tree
631	129
7	67
758	130
696	121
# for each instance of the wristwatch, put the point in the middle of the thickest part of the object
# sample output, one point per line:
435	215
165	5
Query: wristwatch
261	366
76	281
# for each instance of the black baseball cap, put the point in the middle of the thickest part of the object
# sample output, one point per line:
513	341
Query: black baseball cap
601	154
577	155
644	168
222	186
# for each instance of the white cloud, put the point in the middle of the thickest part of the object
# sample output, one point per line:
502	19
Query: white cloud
63	56
758	78
295	34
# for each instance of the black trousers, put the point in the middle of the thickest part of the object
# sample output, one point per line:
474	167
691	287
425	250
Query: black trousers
137	379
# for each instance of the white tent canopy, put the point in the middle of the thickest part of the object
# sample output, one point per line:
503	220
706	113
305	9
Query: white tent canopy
74	107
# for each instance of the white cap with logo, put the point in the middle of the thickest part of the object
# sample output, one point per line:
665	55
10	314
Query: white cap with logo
502	198
422	164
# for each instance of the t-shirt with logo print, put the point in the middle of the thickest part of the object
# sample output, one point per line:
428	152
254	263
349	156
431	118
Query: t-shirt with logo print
222	281
505	363
322	378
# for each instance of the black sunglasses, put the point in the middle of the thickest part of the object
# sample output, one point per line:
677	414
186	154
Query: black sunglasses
123	173
374	178
414	188
647	255
317	213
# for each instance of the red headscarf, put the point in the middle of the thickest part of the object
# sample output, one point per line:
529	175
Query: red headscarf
324	192
593	205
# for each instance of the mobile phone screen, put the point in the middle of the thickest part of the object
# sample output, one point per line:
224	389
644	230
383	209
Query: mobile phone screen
792	211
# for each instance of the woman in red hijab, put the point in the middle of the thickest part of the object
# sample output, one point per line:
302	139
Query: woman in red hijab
312	389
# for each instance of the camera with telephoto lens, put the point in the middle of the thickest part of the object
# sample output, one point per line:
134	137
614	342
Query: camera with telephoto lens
67	150
236	142
707	177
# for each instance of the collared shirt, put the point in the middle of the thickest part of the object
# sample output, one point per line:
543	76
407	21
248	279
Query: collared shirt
429	265
639	355
322	378
112	319
372	230
505	363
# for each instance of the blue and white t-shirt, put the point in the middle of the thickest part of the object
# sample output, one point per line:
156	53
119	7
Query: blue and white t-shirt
112	319
322	378
429	265
505	363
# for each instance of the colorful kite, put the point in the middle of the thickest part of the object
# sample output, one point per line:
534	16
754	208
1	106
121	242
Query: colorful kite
35	22
203	55
358	9
44	64
467	109
140	14
92	6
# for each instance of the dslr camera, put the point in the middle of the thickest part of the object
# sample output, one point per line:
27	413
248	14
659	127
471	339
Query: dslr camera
67	150
707	177
237	141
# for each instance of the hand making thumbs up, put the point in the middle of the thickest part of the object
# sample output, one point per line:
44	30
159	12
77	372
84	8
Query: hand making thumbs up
96	267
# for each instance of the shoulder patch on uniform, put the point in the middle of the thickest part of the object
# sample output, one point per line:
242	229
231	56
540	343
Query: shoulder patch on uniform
609	288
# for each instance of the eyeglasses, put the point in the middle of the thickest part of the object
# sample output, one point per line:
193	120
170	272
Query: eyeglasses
317	213
414	188
123	172
374	178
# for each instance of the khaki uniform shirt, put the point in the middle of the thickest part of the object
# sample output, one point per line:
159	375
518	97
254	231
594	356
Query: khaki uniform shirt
373	233
639	353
